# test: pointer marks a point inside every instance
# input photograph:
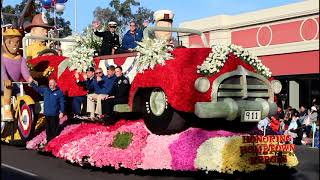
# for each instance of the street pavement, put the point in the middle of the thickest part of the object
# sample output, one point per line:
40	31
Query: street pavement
17	163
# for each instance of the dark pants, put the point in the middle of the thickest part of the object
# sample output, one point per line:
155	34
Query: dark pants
52	125
76	104
308	130
108	104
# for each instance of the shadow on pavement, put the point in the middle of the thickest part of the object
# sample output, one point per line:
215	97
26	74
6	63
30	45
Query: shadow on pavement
271	173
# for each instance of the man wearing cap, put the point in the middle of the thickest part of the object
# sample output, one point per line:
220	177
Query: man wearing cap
110	41
13	68
39	27
163	18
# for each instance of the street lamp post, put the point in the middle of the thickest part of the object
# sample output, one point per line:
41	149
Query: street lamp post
75	16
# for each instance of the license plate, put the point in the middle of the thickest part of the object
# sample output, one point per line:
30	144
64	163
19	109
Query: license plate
253	116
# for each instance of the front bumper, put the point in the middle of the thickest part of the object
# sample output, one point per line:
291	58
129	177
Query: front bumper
230	109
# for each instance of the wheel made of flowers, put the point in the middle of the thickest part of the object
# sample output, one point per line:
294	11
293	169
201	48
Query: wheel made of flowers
26	121
159	116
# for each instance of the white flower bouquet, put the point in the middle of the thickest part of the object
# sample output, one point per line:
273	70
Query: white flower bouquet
81	58
151	53
215	61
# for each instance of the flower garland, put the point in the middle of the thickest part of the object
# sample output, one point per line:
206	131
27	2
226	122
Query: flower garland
151	53
215	61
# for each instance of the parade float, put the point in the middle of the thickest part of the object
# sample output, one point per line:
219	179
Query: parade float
173	88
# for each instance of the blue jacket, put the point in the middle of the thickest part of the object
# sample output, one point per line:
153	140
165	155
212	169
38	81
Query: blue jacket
53	100
129	40
104	86
88	84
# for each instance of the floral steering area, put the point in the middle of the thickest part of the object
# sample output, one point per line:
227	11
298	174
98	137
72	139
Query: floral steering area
215	61
128	144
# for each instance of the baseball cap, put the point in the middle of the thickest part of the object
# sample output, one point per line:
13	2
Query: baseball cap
91	69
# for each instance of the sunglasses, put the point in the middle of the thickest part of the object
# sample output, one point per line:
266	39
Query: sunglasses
98	73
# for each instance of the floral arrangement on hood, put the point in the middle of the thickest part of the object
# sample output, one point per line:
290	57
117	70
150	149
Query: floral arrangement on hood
220	52
151	53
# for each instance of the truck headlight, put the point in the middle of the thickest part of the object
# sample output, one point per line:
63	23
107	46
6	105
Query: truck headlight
202	84
276	86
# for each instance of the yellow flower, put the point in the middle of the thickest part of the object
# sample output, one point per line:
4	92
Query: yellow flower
222	154
8	138
48	71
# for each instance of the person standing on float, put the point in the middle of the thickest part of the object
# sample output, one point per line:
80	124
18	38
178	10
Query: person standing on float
110	41
131	37
53	107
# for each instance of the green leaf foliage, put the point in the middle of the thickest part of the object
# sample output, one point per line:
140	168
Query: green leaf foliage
122	140
122	12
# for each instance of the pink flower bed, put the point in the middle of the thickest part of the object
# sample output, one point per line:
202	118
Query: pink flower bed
99	152
92	144
78	133
184	149
157	155
40	139
37	141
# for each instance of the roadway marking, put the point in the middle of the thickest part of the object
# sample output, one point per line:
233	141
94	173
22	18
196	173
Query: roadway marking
19	170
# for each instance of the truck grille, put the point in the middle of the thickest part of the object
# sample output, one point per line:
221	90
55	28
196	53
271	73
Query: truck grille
241	85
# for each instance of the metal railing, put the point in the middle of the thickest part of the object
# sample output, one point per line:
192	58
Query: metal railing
150	30
24	42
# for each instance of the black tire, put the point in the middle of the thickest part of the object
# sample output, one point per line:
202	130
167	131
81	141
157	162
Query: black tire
169	121
26	121
6	129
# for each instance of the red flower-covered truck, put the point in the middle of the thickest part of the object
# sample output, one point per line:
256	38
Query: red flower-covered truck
168	93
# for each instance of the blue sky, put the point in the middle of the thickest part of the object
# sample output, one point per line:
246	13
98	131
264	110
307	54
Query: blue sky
185	10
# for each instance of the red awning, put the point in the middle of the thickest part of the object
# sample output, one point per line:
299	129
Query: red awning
293	63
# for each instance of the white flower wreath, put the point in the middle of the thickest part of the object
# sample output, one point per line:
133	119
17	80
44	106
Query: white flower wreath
151	53
215	61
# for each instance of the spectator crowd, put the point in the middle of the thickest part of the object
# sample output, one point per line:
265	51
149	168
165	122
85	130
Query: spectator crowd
302	125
